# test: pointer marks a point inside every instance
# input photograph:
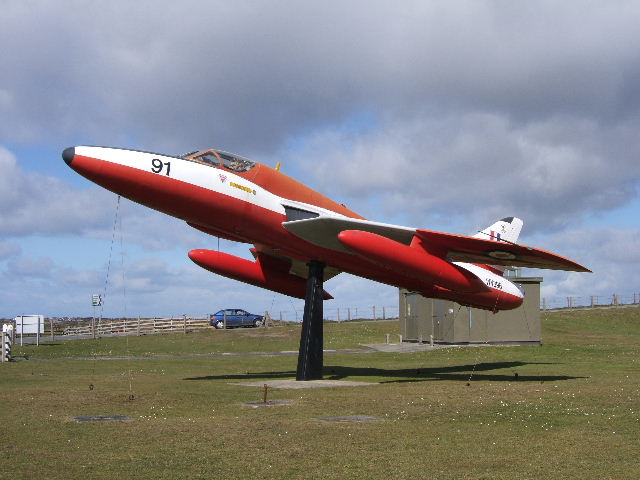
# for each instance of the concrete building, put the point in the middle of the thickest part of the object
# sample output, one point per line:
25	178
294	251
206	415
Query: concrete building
448	322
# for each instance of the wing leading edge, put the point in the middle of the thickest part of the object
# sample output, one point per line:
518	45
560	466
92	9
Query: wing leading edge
324	231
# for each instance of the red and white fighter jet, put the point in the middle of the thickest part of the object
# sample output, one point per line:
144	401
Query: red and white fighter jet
290	225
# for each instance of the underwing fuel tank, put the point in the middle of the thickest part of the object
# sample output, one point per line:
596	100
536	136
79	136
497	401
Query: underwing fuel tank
262	273
414	261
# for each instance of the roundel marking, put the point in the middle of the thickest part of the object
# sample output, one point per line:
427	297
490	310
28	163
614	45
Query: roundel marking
501	255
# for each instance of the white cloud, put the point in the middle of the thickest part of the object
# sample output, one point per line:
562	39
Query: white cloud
480	110
478	166
38	204
247	76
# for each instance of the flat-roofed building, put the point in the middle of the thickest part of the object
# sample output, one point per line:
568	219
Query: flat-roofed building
448	322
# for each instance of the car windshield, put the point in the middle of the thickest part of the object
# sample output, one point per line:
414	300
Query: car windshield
218	158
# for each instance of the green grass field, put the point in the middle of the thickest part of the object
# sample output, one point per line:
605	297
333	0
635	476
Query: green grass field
572	412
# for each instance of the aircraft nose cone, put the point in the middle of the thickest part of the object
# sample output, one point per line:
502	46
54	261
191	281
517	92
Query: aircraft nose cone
68	154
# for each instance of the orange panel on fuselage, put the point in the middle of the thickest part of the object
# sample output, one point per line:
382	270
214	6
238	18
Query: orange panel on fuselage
286	187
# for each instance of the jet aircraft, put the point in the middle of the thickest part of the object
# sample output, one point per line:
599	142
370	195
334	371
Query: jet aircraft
297	233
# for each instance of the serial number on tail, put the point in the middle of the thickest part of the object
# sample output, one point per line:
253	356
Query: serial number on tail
493	283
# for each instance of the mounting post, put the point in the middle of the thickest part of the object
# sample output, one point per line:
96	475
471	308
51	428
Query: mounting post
311	338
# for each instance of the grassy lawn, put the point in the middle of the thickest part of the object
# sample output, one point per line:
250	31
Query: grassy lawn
572	412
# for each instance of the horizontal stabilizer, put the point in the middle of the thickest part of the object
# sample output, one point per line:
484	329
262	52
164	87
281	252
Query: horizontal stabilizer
477	250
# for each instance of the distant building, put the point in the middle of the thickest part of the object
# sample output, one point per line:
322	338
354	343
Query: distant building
450	323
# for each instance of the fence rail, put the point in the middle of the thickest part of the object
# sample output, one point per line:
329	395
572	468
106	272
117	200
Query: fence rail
139	326
592	301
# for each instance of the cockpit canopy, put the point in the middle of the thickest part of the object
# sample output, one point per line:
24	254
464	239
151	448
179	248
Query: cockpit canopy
217	158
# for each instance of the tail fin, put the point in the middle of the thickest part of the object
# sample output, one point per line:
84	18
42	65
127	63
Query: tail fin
505	230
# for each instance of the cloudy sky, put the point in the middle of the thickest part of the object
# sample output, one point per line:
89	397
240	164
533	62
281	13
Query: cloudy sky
441	115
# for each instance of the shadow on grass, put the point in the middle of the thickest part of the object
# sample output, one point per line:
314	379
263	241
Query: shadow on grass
477	372
246	376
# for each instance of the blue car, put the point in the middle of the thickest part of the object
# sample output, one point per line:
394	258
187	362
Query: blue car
236	318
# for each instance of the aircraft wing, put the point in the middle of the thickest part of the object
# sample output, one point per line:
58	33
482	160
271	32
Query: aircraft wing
477	250
323	231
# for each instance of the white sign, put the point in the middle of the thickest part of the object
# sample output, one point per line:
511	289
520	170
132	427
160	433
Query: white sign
26	324
96	300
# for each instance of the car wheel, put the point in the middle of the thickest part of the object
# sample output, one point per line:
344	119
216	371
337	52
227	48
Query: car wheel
258	322
219	324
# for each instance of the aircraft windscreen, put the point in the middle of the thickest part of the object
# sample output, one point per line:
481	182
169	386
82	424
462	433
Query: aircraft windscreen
235	163
215	158
207	157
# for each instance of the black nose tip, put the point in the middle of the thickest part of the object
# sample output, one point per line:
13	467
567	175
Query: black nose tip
68	154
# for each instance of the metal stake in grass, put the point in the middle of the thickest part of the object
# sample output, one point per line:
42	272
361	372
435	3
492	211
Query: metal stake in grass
264	396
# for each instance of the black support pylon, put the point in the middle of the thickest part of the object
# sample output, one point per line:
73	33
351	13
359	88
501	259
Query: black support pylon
311	339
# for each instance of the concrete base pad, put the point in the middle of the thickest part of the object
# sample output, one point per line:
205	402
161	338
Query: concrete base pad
412	347
270	403
296	385
103	418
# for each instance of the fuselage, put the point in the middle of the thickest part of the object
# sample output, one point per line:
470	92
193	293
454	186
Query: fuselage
231	197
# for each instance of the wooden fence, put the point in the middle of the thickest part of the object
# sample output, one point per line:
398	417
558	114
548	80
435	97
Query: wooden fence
140	326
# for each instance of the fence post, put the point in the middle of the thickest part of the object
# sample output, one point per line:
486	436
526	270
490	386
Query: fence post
349	313
184	324
138	329
384	313
339	314
53	337
374	312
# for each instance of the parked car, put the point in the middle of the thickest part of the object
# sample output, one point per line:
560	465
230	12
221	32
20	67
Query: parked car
236	318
